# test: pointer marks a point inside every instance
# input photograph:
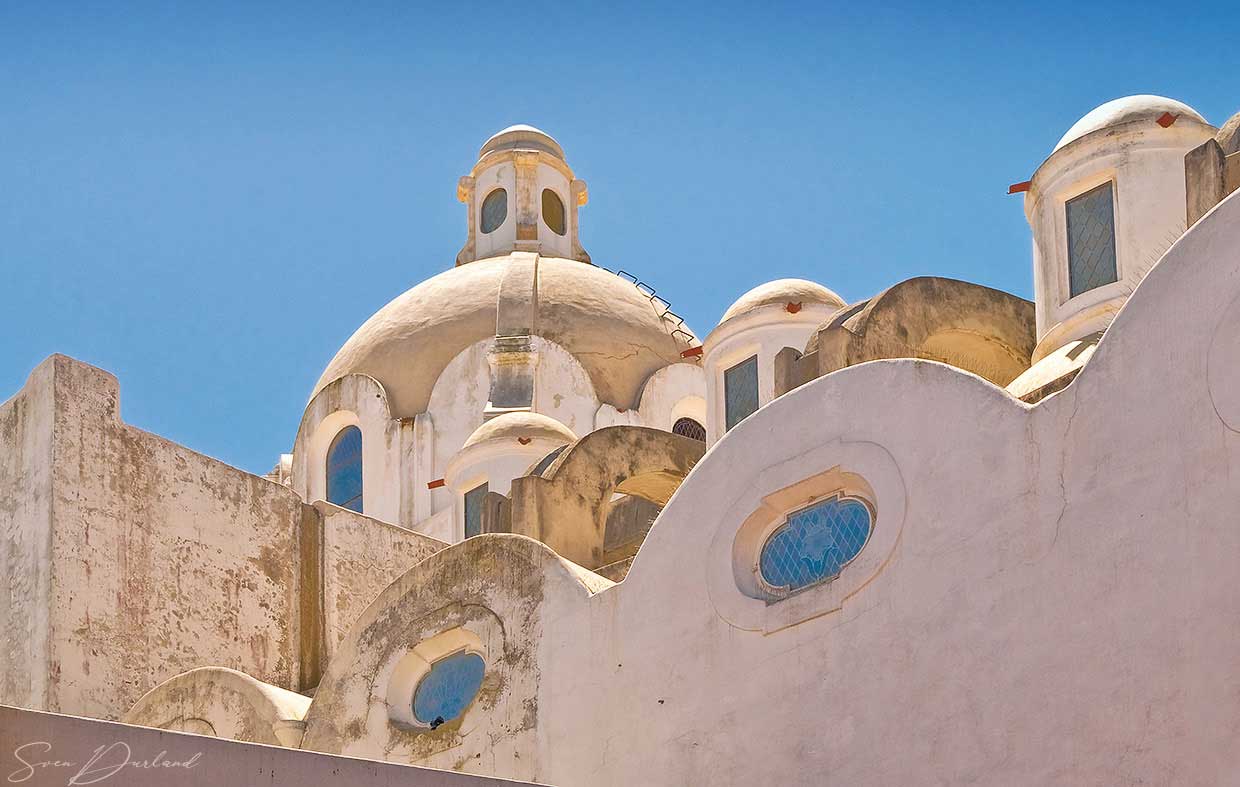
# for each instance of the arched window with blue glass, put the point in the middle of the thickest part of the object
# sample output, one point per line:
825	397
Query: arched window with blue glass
448	689
815	543
344	469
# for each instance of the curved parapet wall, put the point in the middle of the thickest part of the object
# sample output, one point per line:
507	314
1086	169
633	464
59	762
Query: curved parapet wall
223	703
565	506
492	595
971	327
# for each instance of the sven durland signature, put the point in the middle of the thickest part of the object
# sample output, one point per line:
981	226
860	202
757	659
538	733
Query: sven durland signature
103	763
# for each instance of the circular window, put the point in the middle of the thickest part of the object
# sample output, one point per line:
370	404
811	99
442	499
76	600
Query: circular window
494	210
447	690
553	211
687	427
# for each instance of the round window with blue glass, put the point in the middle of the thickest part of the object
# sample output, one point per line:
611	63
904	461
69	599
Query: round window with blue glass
448	689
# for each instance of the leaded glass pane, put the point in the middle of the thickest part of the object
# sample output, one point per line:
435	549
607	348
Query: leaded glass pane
740	390
815	543
448	689
687	427
553	211
474	500
494	210
344	469
1091	239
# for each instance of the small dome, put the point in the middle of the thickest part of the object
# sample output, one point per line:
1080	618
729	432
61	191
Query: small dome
1128	110
522	137
521	426
782	292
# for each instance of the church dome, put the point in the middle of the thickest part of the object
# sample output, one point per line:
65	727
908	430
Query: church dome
1128	110
521	426
782	292
611	327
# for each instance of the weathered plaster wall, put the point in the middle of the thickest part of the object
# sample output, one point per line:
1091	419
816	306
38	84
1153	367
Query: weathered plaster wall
506	594
361	557
25	539
164	559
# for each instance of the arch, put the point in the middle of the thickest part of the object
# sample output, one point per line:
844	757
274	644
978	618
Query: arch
344	469
224	703
566	507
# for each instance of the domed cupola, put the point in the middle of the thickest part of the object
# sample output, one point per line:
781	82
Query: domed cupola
521	196
739	354
1103	207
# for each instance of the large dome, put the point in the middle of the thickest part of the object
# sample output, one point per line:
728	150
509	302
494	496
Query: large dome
1127	110
614	330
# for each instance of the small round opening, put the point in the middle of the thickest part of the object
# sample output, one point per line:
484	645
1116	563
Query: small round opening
553	211
494	210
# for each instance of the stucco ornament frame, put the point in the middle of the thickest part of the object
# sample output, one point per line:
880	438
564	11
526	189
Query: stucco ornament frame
400	676
858	469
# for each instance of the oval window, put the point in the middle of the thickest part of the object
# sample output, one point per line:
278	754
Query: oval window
814	544
494	210
447	690
553	211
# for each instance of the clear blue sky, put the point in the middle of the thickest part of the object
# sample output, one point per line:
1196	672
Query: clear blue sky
207	199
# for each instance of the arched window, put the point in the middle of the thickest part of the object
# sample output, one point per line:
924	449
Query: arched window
814	544
687	427
344	469
553	212
494	210
447	690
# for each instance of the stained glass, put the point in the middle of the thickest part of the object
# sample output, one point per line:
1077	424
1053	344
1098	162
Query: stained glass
740	389
1091	239
815	543
474	500
448	689
344	469
687	427
494	210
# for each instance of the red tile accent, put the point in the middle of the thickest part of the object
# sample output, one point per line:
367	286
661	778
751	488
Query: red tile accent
524	440
1167	119
1016	188
435	484
692	352
793	308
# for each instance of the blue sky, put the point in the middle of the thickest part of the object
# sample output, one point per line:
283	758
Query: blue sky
207	201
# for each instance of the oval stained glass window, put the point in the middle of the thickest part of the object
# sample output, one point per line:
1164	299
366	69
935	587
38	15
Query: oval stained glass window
494	210
815	543
447	690
553	211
